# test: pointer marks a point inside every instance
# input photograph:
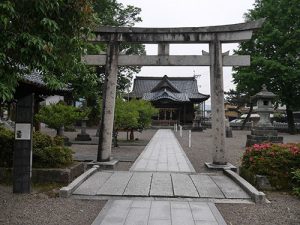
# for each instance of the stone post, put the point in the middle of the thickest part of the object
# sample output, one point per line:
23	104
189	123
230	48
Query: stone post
108	103
217	101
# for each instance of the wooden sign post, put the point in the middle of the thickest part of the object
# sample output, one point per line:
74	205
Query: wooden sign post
22	163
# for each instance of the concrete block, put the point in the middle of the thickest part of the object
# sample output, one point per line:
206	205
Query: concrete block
257	196
65	192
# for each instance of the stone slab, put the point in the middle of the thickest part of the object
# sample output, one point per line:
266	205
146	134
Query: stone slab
206	187
201	211
229	188
116	184
257	196
139	184
143	212
161	185
137	216
183	186
67	191
93	184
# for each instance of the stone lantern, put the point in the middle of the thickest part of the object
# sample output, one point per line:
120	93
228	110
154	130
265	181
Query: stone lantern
264	100
263	130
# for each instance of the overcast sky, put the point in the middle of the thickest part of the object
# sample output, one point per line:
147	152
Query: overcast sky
190	13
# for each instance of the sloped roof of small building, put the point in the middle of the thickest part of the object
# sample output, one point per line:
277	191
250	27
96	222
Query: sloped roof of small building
34	83
180	89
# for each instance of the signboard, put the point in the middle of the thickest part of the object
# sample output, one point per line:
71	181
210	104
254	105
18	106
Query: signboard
23	131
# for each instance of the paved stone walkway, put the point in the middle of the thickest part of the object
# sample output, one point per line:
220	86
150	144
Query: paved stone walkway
163	153
129	212
162	170
149	184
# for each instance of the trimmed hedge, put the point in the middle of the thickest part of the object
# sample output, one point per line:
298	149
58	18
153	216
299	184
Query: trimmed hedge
276	161
47	152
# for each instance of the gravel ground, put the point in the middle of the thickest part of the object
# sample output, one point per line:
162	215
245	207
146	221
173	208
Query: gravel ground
39	209
284	209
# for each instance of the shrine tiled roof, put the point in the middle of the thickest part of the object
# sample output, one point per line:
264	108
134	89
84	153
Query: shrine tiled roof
36	79
180	89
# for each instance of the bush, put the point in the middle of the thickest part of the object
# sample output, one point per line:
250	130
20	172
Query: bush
46	152
52	156
296	181
276	161
6	147
41	141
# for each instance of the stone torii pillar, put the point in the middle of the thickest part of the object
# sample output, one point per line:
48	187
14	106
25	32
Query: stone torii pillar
214	36
108	102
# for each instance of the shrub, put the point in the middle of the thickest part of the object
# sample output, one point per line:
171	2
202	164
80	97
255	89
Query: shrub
296	181
46	152
6	147
59	141
276	161
41	141
52	156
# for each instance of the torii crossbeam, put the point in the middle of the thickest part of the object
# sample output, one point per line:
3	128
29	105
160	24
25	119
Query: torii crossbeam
212	35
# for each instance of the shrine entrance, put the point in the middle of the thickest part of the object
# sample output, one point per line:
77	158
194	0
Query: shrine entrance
215	59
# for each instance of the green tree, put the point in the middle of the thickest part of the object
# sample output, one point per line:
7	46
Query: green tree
42	35
133	115
58	115
274	51
111	13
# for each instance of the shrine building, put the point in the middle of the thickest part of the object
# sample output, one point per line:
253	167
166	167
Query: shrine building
174	97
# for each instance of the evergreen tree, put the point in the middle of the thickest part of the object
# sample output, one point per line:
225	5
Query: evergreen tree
275	53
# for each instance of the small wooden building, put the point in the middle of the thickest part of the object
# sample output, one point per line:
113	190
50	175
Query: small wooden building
175	98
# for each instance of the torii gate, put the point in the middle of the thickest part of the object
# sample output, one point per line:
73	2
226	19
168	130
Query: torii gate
212	35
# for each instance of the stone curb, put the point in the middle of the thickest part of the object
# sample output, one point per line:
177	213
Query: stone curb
65	192
257	196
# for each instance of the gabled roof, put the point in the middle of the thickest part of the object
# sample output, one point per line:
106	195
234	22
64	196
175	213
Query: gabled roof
165	84
180	89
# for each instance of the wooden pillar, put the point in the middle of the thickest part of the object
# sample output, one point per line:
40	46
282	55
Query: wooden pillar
108	103
217	101
22	157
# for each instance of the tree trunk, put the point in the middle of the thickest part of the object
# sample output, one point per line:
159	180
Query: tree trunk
247	117
127	136
290	120
131	135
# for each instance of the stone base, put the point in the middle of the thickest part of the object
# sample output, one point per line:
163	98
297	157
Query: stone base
255	139
264	132
227	166
83	137
109	165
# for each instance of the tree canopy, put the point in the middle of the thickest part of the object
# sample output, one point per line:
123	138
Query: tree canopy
49	36
59	115
42	35
134	114
275	53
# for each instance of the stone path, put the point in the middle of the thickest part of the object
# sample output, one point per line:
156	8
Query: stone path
163	153
161	171
149	184
135	212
